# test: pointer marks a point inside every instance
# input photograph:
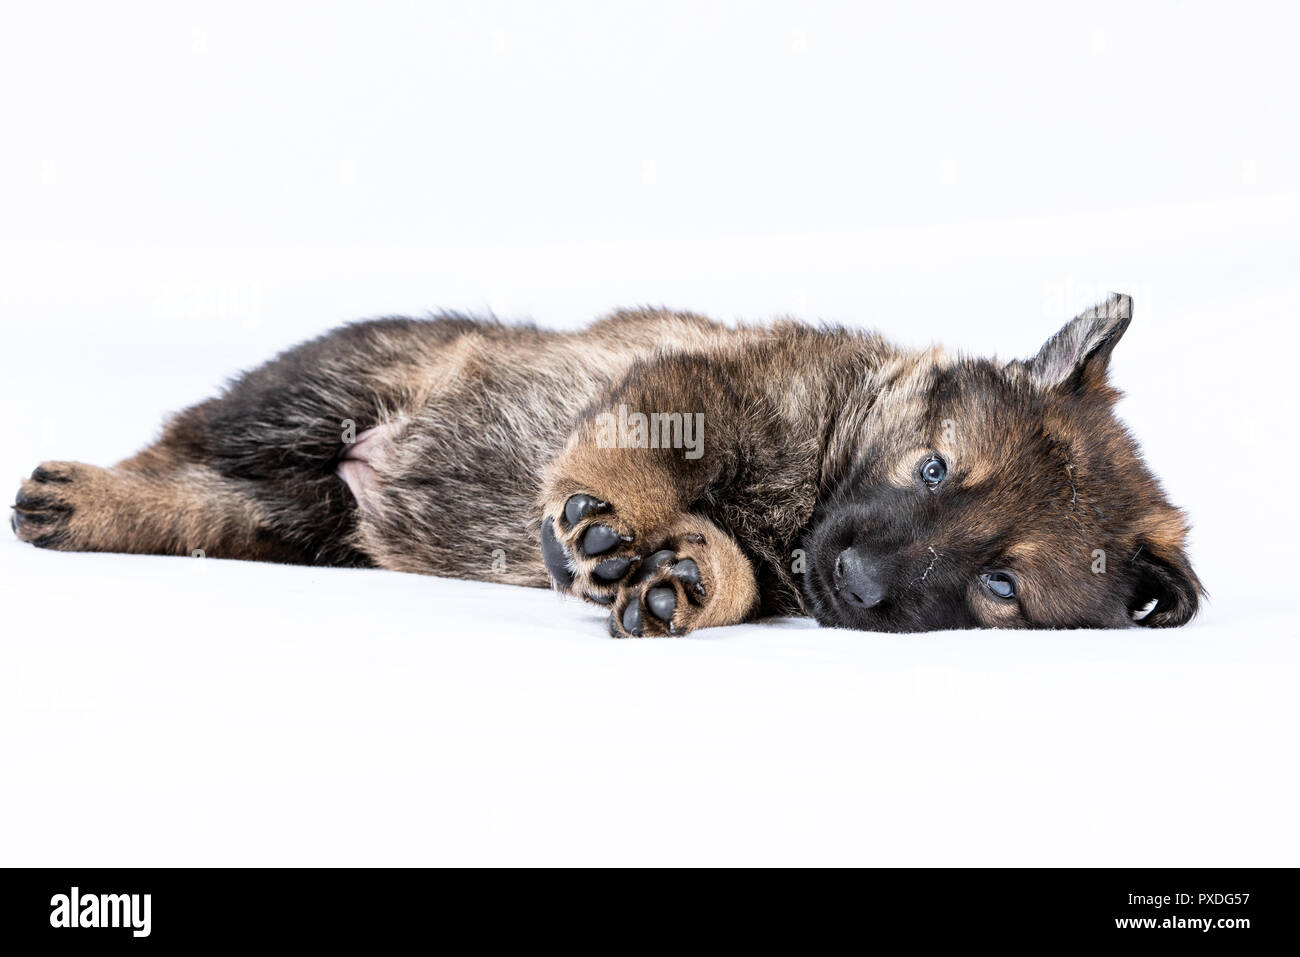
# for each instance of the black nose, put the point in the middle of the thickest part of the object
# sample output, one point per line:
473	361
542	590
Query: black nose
857	580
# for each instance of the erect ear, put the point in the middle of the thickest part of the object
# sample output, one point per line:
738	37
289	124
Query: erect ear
1169	581
1075	359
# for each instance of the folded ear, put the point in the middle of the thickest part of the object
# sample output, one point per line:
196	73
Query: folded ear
1169	581
1075	359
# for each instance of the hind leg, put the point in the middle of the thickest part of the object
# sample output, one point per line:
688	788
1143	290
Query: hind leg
181	496
251	474
184	509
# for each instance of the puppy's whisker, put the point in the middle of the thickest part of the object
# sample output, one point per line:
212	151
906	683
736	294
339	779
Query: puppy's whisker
926	574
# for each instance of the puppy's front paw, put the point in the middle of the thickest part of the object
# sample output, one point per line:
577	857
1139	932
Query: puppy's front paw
659	571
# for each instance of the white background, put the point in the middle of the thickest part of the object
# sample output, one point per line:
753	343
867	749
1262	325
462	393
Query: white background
182	192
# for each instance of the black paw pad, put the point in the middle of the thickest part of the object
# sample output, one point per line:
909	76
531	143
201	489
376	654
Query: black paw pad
648	567
688	573
579	507
599	539
554	555
632	619
612	569
662	602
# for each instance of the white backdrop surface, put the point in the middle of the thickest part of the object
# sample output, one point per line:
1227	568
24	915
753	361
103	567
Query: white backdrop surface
183	193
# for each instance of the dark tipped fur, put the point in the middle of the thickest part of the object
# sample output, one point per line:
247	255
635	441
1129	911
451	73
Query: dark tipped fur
465	447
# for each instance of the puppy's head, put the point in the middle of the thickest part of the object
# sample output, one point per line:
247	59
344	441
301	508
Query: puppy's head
989	495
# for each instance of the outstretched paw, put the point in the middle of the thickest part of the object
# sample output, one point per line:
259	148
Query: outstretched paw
44	509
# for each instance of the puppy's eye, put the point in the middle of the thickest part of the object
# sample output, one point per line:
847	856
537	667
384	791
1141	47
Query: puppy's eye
1000	583
933	470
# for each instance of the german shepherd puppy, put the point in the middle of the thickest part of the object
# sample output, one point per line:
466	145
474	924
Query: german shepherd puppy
682	473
